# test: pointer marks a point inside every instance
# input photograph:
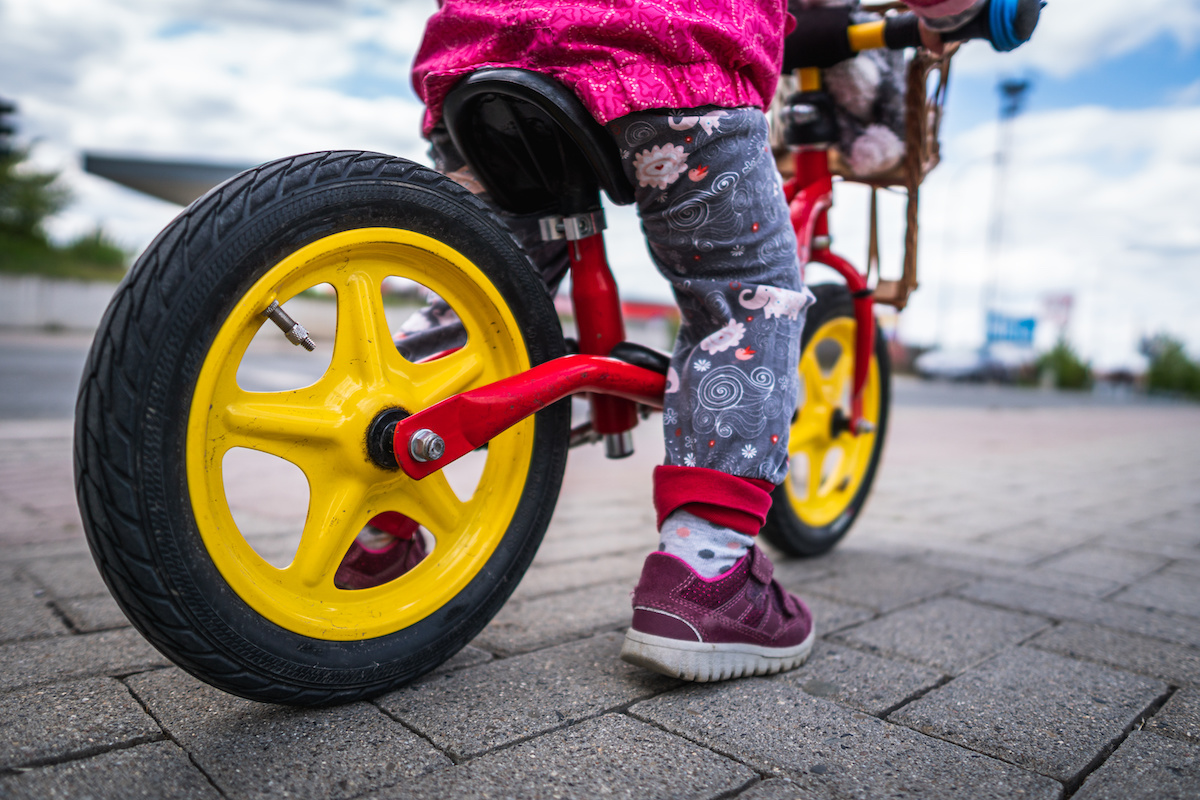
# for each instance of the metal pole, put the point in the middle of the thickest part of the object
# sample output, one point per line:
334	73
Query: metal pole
1012	97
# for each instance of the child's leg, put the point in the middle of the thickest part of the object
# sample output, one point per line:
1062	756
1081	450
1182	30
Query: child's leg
436	327
718	228
717	224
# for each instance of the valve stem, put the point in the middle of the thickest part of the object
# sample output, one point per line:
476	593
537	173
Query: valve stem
294	331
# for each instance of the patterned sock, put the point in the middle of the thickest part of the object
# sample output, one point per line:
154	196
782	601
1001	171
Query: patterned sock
707	548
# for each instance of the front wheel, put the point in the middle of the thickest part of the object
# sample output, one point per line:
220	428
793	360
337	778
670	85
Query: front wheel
222	485
831	469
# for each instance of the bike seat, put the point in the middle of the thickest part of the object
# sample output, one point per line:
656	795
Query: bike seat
532	144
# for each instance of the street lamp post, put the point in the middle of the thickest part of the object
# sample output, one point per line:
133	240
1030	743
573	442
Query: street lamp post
1012	97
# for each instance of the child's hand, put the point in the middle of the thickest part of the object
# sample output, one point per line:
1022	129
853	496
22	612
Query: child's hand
932	40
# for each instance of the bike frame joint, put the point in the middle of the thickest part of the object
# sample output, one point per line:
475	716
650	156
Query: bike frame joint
799	113
425	445
574	227
475	417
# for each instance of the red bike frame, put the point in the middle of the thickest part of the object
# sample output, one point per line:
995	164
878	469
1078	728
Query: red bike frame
468	420
810	196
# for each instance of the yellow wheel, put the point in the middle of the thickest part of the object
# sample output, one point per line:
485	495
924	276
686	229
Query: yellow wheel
174	397
831	470
321	429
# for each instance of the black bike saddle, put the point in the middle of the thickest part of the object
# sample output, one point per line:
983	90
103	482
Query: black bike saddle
532	144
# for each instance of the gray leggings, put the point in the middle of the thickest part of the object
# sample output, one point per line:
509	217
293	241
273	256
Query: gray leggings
717	226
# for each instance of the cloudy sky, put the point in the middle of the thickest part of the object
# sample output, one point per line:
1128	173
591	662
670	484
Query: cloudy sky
1102	201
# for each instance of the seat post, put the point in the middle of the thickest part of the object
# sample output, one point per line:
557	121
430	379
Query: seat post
601	328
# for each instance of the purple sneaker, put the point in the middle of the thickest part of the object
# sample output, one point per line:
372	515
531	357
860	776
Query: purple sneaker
701	629
389	546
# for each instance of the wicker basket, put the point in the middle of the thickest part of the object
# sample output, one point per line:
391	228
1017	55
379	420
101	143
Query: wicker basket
922	122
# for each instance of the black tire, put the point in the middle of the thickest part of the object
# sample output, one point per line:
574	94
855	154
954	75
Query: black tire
785	526
135	398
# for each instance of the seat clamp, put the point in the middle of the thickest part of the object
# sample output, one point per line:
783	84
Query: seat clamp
577	226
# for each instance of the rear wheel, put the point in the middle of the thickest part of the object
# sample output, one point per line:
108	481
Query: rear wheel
184	434
831	469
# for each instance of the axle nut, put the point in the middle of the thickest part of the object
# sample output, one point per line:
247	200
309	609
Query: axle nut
425	445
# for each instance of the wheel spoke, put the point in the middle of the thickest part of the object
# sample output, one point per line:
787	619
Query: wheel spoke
433	503
834	383
814	388
434	381
816	462
252	420
290	425
812	430
812	427
363	344
333	521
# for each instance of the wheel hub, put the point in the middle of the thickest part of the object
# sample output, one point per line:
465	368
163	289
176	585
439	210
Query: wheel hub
839	423
380	436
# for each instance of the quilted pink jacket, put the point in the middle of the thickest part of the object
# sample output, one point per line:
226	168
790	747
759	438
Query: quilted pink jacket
619	56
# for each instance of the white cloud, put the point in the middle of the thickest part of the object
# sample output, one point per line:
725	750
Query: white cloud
237	81
1075	34
1099	202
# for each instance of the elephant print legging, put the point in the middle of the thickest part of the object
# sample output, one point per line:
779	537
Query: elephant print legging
717	226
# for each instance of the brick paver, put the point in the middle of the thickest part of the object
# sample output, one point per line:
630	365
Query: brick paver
255	750
1050	714
1146	767
1014	615
54	723
947	633
159	771
611	757
829	750
1180	717
472	711
862	680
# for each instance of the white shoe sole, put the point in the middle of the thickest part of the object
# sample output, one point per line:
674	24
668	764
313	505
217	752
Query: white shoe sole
703	662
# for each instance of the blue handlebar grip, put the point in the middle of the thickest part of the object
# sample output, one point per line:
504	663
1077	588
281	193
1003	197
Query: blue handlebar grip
1011	22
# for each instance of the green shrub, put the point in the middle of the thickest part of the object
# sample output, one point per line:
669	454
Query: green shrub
1170	369
96	248
27	197
24	255
1069	371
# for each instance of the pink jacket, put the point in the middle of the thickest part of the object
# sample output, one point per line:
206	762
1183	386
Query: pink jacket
619	56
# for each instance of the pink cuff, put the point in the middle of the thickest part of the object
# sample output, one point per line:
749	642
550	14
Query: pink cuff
932	9
738	503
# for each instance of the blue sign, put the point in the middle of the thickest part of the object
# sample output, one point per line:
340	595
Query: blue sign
1016	330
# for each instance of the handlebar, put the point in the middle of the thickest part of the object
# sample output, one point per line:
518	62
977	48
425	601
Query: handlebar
1007	24
825	36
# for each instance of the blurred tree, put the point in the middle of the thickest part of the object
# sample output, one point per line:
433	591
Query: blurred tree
97	248
1069	371
7	109
27	197
1170	368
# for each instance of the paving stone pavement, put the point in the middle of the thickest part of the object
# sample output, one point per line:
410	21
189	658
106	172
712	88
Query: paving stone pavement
1016	614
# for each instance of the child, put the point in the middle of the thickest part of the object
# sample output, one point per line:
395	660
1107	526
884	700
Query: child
681	87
